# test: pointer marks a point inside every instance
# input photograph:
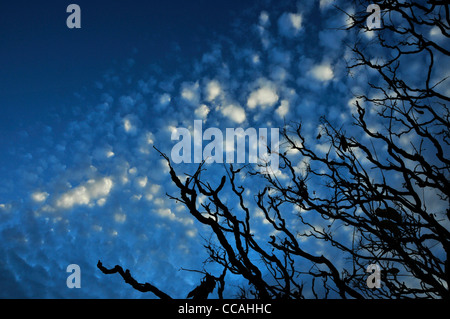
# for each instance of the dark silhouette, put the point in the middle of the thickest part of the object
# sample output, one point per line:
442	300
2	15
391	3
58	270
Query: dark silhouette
380	195
204	289
130	280
343	143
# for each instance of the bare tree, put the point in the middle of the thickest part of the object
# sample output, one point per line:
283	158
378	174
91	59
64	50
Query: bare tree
378	195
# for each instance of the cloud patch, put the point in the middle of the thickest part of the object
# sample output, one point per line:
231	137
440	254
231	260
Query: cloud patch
265	96
234	112
213	90
39	197
290	24
322	72
190	92
202	111
86	194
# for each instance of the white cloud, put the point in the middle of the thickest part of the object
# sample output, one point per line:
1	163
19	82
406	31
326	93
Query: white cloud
149	138
136	197
322	72
283	109
290	24
155	188
234	113
370	34
265	96
130	123
85	194
213	90
255	59
146	140
202	111
103	152
435	31
162	101
164	98
39	196
166	213
190	92
142	181
264	19
191	233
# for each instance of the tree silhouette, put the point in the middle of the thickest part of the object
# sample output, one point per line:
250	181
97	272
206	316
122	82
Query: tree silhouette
204	289
379	195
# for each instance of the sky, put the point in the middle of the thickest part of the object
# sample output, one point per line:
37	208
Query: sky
81	110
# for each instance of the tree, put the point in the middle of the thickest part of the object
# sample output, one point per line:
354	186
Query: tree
378	195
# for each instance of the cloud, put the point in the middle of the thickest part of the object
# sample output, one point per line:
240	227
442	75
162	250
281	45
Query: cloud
85	194
145	142
290	24
213	90
190	92
322	72
264	19
103	152
142	181
234	112
162	102
265	96
120	218
262	30
39	196
283	109
130	124
202	111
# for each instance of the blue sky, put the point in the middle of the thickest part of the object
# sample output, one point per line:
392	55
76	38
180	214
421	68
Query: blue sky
81	110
